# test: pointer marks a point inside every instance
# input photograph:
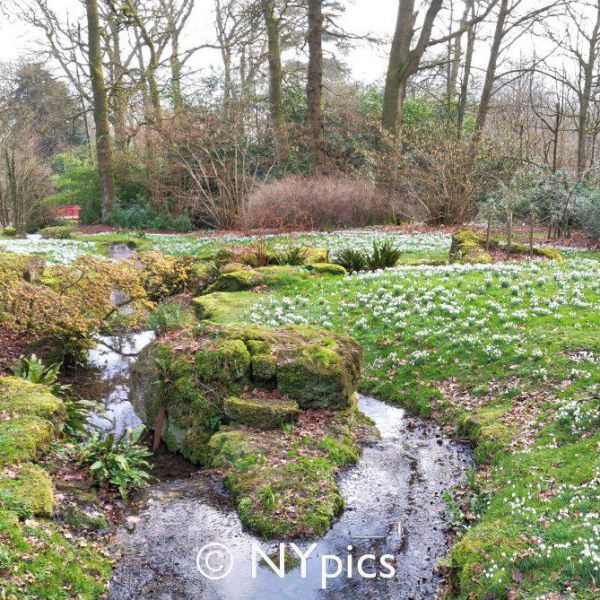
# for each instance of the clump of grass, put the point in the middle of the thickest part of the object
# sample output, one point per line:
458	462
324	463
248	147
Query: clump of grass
352	260
293	256
384	255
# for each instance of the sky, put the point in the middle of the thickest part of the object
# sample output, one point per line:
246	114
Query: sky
362	16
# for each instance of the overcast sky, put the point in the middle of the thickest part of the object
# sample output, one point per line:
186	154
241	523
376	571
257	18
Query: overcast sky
362	16
368	63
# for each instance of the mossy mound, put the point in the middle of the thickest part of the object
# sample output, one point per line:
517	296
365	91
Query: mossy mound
324	267
193	372
20	266
470	247
247	279
28	491
284	484
222	306
58	232
8	231
261	412
32	417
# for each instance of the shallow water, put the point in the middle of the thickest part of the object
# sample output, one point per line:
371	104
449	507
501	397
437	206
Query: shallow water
394	505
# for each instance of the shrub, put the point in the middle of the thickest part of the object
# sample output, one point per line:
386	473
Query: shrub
121	462
60	232
169	316
165	275
9	232
587	212
352	260
384	255
323	203
74	302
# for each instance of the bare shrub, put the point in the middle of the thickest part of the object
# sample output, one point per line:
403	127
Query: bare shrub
315	203
442	178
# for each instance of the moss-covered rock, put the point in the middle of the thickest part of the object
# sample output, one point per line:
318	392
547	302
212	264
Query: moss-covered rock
28	491
233	267
261	412
469	247
316	254
32	415
192	374
283	484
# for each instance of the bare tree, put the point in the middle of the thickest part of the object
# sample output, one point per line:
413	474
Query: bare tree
103	141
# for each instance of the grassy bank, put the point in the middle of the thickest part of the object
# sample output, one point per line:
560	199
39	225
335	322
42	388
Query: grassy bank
508	355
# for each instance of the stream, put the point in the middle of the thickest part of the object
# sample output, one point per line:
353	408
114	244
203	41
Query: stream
394	505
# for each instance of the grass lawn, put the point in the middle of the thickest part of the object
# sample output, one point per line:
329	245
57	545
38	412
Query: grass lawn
509	355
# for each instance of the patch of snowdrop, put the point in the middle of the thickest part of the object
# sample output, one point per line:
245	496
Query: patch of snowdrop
62	252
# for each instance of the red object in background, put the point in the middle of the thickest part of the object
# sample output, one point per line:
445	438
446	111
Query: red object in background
70	212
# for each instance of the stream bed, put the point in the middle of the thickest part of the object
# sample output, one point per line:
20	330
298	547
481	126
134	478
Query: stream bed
394	501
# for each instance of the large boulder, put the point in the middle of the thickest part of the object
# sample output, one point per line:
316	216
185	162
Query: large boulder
216	374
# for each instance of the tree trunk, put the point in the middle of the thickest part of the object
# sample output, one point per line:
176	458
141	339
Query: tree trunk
585	95
490	73
314	87
175	63
103	142
280	138
394	92
405	61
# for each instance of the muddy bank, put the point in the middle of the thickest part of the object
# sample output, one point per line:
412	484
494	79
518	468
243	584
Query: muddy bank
394	505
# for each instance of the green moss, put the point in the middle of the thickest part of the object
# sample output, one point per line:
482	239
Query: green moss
222	307
261	413
327	268
264	367
28	492
39	562
234	448
316	376
272	277
35	415
20	397
233	267
225	361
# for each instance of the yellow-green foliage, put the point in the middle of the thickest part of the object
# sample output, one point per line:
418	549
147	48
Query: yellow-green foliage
59	232
8	231
165	275
33	416
27	490
70	303
14	267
